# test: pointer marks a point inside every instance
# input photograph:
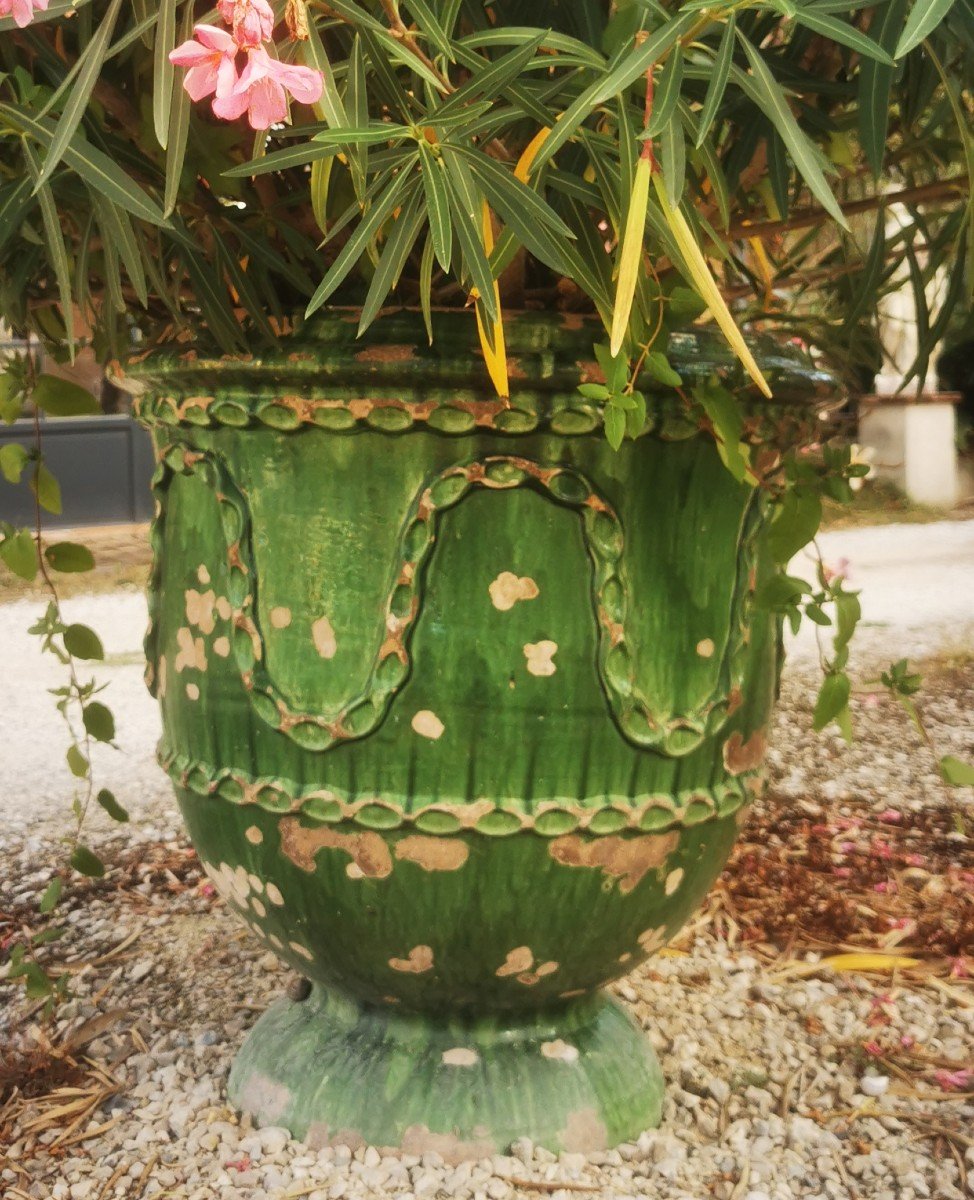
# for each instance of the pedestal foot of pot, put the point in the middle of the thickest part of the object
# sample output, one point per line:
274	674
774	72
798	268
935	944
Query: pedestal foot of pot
334	1072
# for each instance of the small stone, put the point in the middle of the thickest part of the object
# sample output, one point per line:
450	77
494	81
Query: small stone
873	1085
273	1140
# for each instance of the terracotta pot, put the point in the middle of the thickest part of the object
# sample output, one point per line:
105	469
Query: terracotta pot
463	710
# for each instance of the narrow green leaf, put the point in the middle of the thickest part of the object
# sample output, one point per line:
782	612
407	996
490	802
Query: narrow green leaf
493	78
843	33
924	18
426	287
163	71
622	73
89	67
177	134
69	557
772	100
55	244
364	233
99	171
666	94
876	83
437	204
430	26
467	205
399	242
87	863
82	642
718	80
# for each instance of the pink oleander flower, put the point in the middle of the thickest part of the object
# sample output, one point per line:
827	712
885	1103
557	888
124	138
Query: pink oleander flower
261	91
252	21
22	11
211	61
955	1081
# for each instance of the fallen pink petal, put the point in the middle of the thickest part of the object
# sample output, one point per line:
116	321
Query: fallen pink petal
22	11
252	21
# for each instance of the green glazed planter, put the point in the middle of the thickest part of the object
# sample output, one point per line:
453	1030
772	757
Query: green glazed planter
462	709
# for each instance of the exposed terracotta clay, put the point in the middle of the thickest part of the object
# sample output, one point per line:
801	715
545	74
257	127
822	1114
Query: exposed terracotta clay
418	1139
432	853
584	1132
428	724
560	1050
192	652
368	851
521	959
324	638
280	617
627	859
507	589
199	609
419	960
741	756
460	1056
539	657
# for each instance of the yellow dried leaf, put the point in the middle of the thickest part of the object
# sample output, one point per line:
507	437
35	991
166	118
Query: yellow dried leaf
869	962
522	170
495	355
705	284
631	254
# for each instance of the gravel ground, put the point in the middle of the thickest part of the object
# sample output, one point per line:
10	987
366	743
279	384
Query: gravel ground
787	1079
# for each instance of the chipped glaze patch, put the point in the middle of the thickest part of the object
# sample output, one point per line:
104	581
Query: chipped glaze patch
560	1051
530	978
203	574
507	589
427	724
302	951
273	893
624	958
368	851
705	648
221	647
540	657
741	756
419	1140
280	617
254	836
162	672
419	960
223	609
673	881
192	691
323	636
460	1056
651	940
192	652
258	906
627	859
199	610
263	1098
517	961
584	1132
432	853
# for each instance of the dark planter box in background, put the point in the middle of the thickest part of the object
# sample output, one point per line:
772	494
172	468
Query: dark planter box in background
103	464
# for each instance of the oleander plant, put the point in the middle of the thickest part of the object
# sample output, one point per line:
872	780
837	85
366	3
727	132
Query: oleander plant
371	269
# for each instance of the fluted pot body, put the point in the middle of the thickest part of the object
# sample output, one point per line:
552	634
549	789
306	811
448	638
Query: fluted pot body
462	707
